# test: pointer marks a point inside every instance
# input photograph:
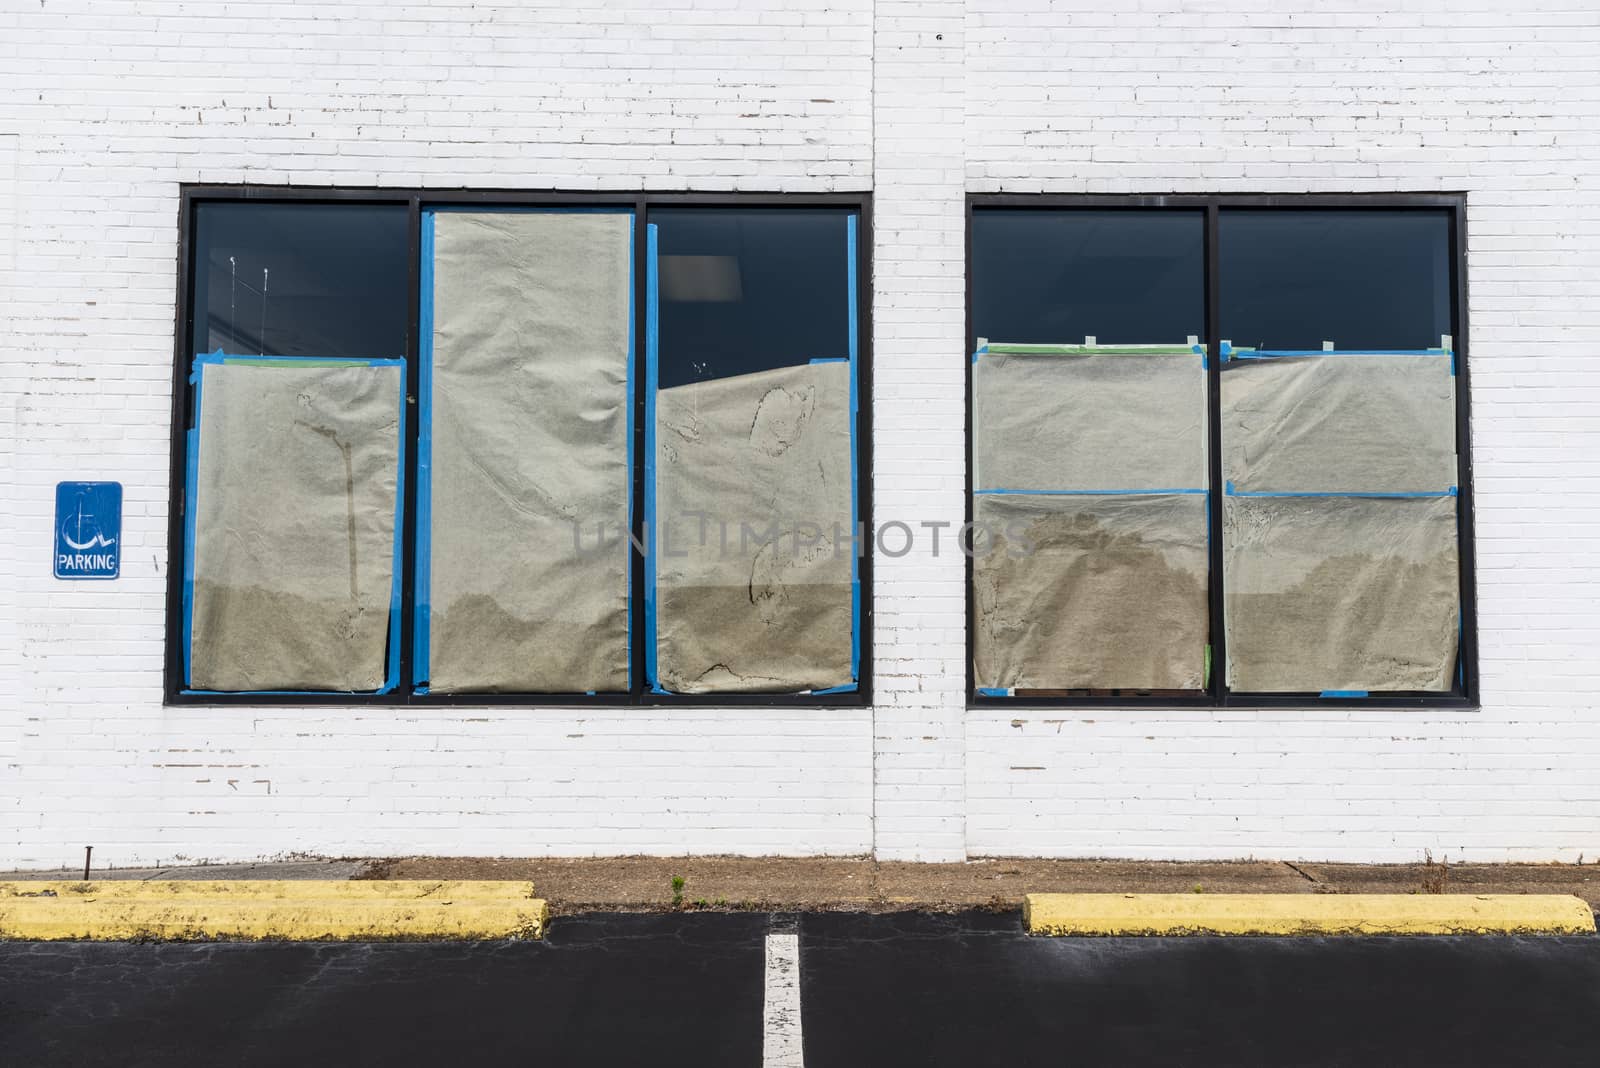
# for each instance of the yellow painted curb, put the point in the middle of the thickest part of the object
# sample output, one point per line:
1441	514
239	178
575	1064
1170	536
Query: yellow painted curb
1306	914
251	910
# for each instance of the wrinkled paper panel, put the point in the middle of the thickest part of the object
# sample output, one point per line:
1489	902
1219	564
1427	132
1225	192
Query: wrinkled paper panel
1089	422
1090	591
530	454
295	514
1345	424
1341	593
768	612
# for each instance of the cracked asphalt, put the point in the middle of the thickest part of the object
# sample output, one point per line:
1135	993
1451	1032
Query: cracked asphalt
876	989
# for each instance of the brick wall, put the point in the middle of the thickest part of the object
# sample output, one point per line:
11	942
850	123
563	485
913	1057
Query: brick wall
106	107
1499	100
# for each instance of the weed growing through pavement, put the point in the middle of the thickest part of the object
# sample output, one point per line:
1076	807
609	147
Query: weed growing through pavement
1434	876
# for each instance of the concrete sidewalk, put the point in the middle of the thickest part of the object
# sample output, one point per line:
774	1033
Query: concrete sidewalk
299	868
635	884
851	884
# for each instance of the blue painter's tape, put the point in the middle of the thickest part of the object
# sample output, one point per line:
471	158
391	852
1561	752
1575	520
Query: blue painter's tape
633	222
849	687
220	357
191	484
1344	693
1234	491
1227	352
830	359
652	380
1205	359
422	580
1274	354
993	691
1084	493
855	419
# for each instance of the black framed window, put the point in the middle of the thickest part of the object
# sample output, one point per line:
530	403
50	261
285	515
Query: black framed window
1218	451
498	448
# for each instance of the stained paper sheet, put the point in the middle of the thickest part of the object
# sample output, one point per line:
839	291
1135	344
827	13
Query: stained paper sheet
1342	423
529	557
1341	593
767	612
1090	591
294	526
1077	421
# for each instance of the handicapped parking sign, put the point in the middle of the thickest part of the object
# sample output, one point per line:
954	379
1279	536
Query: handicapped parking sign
88	530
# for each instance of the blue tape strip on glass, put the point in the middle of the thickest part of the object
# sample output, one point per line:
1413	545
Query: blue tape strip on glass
855	500
1233	491
993	691
220	357
422	580
1344	693
1274	354
633	222
191	485
652	380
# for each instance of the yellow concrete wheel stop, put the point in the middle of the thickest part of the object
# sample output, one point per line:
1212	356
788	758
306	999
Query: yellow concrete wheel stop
255	910
1306	914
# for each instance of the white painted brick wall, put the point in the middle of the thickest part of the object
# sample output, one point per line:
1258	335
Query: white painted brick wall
919	403
106	106
1500	100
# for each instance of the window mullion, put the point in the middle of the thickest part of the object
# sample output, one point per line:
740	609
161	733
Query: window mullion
1218	683
413	433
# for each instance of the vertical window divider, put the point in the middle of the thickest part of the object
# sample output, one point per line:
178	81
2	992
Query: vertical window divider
1216	684
1467	653
636	512
413	435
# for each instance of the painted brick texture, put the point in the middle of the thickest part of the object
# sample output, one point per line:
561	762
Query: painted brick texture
107	106
1500	101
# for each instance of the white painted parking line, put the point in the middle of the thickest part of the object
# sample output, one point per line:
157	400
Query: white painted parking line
780	1044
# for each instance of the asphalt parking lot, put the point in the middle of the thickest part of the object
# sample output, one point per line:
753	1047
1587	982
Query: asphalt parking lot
703	989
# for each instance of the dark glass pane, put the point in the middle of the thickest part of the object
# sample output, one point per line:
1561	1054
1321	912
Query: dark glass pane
1360	279
1057	277
301	280
746	291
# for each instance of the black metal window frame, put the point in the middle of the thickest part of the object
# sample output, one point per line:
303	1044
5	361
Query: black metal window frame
193	196
1466	694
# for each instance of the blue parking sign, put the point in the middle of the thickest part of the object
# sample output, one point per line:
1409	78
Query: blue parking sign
88	530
